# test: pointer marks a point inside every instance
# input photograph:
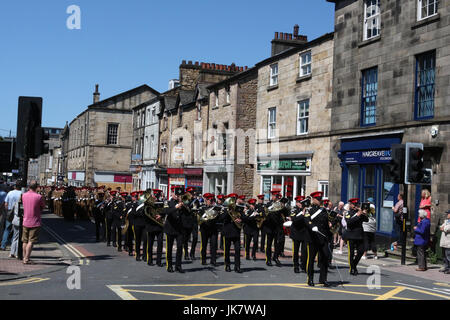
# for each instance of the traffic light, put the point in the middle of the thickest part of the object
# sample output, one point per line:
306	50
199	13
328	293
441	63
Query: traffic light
397	164
415	172
29	117
40	147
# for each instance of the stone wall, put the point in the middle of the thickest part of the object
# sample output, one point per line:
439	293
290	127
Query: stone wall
290	90
394	52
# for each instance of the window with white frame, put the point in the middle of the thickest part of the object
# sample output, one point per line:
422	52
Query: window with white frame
152	145
323	186
153	115
303	117
146	143
426	8
272	122
305	64
216	97
274	74
372	19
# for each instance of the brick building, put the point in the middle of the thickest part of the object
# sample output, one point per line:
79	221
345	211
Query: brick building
293	116
100	140
391	85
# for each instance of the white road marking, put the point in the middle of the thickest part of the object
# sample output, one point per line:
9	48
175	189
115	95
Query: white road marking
423	288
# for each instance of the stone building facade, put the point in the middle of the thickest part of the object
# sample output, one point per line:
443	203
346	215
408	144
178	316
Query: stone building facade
391	86
230	132
100	140
144	156
293	119
182	124
41	169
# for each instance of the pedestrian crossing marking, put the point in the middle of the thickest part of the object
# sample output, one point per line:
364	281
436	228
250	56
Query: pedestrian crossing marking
125	291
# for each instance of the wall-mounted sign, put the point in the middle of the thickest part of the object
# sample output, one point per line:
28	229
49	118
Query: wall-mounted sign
178	154
368	156
285	165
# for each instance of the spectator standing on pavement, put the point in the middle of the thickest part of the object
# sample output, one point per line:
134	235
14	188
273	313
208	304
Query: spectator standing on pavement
33	204
421	239
398	220
425	203
370	227
445	243
12	203
5	225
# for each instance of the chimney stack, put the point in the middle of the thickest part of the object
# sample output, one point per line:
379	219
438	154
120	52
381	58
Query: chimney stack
96	94
296	28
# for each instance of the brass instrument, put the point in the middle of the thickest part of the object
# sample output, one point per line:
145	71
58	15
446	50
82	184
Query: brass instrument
261	217
230	204
210	214
153	209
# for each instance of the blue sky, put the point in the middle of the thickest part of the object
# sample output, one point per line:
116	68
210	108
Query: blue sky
124	44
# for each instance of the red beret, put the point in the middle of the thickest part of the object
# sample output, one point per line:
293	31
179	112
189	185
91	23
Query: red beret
242	197
124	194
134	194
190	189
157	191
252	201
317	195
232	195
261	197
113	193
299	198
354	200
208	196
220	197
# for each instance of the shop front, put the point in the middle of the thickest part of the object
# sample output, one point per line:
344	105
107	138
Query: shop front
76	178
192	177
285	175
365	175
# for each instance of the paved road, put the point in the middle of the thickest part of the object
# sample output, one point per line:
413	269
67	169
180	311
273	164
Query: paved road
106	274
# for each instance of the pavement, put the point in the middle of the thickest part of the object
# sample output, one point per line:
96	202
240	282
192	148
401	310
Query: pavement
47	255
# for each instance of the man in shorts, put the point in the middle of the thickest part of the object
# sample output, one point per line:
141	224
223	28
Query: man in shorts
33	204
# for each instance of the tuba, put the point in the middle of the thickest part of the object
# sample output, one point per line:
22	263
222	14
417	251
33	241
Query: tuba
230	204
153	209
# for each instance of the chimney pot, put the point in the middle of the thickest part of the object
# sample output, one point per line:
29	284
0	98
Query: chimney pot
189	62
196	63
281	35
96	94
276	35
296	28
290	36
184	62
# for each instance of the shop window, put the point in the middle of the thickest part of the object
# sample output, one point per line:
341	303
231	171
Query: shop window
323	186
353	180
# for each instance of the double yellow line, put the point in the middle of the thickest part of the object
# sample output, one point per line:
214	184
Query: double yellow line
82	259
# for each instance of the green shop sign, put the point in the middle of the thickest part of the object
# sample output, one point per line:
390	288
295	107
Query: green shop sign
286	165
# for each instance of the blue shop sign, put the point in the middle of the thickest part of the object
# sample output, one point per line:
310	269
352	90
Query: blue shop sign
368	156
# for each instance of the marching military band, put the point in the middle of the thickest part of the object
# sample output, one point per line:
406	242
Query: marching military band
133	222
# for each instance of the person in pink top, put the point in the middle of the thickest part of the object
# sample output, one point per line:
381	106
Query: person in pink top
425	203
33	204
